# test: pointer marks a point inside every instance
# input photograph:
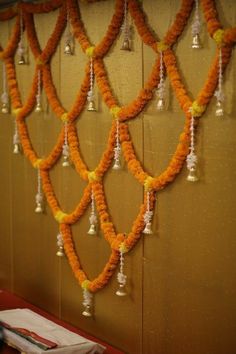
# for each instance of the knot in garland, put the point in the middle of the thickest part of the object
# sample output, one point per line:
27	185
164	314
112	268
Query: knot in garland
118	243
89	51
37	163
60	216
218	36
123	248
161	46
115	111
196	109
85	284
64	117
148	183
92	177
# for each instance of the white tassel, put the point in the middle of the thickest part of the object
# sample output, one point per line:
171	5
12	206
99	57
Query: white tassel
65	148
4	96
16	140
87	302
60	244
161	86
21	48
39	196
121	277
68	50
148	217
196	27
117	149
192	157
90	96
93	217
219	92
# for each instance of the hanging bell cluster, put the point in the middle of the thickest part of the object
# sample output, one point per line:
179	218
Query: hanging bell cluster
21	53
126	29
90	96
93	218
192	176
69	47
117	149
39	203
161	87
66	155
121	278
196	27
148	217
219	94
5	103
87	303
192	157
60	244
16	141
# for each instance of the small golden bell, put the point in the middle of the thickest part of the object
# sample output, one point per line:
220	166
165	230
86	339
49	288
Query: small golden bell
66	162
21	60
16	149
196	42
87	311
60	252
192	177
38	108
160	104
92	230
5	109
117	165
219	109
121	291
148	229
38	208
126	45
67	49
91	106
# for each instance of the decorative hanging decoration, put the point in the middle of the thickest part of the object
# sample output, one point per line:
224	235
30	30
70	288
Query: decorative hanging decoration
21	48
90	97
93	217
60	244
196	27
16	140
87	302
126	30
148	217
121	277
39	196
66	148
38	107
161	86
4	96
219	92
68	49
192	157
117	149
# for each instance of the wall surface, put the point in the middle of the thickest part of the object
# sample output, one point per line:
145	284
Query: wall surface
181	279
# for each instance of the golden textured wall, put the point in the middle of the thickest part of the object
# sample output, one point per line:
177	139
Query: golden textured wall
181	279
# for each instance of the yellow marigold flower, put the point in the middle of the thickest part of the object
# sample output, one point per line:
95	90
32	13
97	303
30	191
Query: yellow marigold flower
123	248
147	183
37	163
85	284
89	51
59	216
161	46
115	111
64	117
196	109
16	111
218	36
92	177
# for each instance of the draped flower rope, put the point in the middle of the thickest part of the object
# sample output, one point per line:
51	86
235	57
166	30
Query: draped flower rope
119	133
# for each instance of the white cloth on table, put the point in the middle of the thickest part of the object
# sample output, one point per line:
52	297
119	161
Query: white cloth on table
67	341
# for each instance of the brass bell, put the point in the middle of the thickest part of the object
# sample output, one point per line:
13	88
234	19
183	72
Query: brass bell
16	149
5	108
66	162
91	106
161	104
196	42
219	109
121	291
60	252
68	49
126	45
92	230
117	165
192	177
87	311
21	60
148	229
38	208
38	108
